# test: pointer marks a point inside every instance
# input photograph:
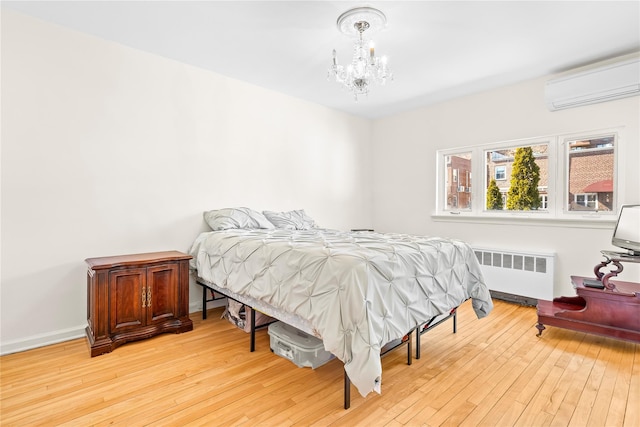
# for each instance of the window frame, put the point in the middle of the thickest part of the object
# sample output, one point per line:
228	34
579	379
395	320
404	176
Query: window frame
557	189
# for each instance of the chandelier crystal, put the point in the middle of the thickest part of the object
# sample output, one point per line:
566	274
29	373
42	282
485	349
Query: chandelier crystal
365	68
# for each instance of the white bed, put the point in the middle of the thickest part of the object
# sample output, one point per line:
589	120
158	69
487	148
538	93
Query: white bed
356	291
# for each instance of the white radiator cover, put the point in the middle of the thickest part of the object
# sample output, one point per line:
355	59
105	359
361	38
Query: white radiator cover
528	274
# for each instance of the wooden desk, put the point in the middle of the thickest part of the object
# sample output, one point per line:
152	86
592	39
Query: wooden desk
610	313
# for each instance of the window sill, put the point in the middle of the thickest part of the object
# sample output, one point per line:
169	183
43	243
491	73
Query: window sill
592	221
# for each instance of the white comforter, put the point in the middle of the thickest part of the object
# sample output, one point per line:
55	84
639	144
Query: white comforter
358	290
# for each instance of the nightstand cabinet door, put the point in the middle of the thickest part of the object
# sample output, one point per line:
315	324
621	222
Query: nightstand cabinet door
127	299
162	293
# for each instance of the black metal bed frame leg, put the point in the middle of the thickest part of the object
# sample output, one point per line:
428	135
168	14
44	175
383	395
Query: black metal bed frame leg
455	320
409	348
427	326
253	329
347	391
206	288
204	302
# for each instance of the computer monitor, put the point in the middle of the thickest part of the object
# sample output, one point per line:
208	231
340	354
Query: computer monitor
627	232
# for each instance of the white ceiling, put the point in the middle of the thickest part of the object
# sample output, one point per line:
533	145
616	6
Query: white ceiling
437	49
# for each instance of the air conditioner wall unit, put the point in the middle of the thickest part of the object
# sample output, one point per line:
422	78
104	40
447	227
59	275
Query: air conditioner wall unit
606	83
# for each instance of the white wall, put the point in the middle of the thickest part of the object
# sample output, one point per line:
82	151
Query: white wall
404	181
107	150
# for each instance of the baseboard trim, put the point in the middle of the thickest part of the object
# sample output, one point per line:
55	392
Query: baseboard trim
41	340
518	299
55	337
196	307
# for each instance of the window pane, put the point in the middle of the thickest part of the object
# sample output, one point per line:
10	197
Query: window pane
527	167
591	171
458	181
544	201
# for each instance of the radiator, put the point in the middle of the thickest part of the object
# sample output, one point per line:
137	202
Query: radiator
527	274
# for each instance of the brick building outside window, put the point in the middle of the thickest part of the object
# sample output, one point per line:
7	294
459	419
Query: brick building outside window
591	168
458	181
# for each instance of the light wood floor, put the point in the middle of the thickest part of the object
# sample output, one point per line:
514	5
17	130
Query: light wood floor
494	371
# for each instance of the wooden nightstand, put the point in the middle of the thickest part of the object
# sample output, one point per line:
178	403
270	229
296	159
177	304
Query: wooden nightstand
132	297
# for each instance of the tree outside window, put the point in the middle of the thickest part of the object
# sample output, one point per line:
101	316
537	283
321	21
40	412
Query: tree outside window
519	173
523	194
494	197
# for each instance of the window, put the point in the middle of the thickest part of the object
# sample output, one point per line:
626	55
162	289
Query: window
544	201
589	201
561	176
524	165
457	191
590	172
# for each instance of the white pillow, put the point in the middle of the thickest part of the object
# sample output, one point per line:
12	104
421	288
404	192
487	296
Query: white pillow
292	220
224	219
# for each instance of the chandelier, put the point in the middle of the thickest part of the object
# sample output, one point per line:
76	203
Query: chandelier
365	68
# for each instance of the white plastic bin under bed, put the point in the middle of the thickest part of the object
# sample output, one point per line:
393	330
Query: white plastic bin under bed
299	347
